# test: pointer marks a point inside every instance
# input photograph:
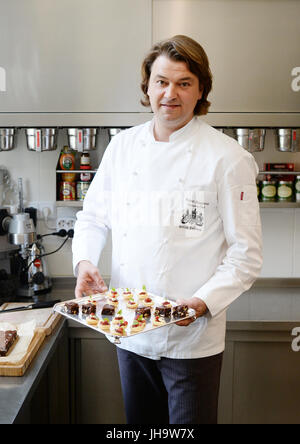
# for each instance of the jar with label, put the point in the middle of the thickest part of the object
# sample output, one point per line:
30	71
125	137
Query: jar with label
85	164
297	188
285	191
67	159
67	191
268	191
82	189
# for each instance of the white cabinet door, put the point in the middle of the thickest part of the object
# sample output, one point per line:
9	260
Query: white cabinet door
72	55
253	47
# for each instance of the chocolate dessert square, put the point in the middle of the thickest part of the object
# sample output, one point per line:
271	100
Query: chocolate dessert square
72	308
7	339
144	311
108	310
162	311
88	309
180	311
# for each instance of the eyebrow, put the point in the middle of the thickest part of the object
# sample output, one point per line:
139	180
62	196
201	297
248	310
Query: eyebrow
179	80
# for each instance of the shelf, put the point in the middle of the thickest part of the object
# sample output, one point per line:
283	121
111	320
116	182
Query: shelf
279	173
279	204
79	204
77	171
69	203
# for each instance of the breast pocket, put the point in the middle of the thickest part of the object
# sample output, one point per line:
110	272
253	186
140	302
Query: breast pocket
196	212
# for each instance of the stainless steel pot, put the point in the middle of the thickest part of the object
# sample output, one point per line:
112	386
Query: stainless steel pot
41	139
7	139
252	139
82	139
113	131
288	140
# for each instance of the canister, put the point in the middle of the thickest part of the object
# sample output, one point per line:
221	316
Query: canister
297	188
82	188
67	191
268	190
285	191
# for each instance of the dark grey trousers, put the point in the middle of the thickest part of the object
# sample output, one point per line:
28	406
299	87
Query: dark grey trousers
170	391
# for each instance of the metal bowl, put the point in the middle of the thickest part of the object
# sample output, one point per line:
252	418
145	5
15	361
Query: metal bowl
82	139
7	139
41	139
252	139
113	132
288	140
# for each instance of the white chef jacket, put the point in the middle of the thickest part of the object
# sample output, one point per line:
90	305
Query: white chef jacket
185	222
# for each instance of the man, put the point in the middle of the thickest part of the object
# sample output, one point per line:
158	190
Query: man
180	200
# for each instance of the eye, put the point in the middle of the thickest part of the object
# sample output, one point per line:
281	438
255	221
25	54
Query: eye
185	84
161	82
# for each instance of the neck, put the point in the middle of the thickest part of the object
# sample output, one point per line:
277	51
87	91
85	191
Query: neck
163	132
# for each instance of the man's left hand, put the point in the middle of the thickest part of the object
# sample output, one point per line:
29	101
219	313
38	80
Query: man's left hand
198	305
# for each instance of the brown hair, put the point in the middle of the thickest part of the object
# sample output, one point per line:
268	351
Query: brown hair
182	49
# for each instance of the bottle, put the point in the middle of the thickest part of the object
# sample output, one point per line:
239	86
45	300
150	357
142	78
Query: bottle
85	164
67	159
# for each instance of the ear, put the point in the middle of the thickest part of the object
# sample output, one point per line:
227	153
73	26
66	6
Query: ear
201	89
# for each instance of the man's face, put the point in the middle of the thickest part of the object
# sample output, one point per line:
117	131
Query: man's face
173	92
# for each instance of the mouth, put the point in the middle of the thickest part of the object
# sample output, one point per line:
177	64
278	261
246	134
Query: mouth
169	105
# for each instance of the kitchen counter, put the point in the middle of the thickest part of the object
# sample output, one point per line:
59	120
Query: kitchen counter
266	313
16	392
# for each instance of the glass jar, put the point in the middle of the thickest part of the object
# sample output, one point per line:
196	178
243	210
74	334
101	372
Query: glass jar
268	190
285	191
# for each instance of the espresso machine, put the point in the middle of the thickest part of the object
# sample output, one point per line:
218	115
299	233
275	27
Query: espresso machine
19	243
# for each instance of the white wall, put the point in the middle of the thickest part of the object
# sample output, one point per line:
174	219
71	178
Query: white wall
281	227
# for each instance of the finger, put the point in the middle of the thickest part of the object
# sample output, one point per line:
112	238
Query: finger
79	289
184	323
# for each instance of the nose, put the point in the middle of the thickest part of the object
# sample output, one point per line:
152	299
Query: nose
171	91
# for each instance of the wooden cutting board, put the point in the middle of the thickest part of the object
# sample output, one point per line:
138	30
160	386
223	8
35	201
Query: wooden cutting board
20	368
46	318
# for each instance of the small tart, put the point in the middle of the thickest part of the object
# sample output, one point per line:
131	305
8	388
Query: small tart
127	295
141	320
113	301
104	324
136	326
131	304
120	331
113	293
117	320
142	295
148	302
158	321
167	304
92	319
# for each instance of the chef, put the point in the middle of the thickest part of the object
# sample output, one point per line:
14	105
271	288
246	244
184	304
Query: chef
180	200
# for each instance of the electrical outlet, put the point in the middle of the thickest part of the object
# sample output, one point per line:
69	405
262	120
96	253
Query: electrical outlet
65	223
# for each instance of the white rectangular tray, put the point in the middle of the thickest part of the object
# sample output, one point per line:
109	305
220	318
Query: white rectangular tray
127	313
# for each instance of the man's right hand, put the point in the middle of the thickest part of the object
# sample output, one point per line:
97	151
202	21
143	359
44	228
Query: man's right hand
89	280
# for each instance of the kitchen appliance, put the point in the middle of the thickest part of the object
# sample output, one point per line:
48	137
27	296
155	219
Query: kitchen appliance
7	139
82	139
288	140
252	139
41	139
28	262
